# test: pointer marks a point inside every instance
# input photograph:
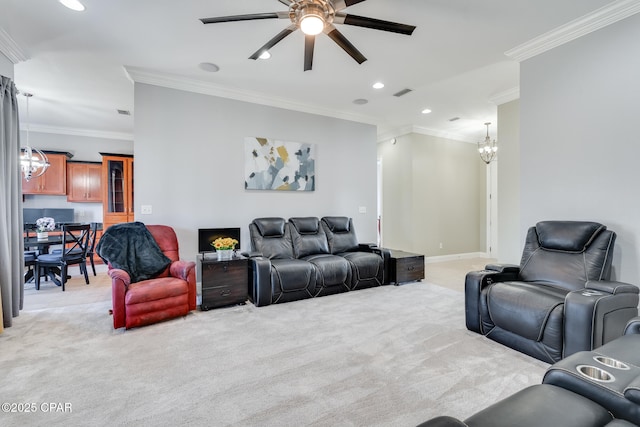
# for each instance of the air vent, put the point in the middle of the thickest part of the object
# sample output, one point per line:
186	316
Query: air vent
453	119
402	92
124	112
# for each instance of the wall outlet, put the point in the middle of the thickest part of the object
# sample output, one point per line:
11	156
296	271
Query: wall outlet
146	209
362	209
440	245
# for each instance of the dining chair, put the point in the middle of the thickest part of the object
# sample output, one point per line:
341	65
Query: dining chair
29	255
75	241
92	245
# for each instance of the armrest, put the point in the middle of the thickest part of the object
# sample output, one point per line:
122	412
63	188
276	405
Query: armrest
119	275
251	254
443	422
633	326
181	269
612	287
120	280
632	391
475	282
597	314
260	291
367	246
503	268
186	270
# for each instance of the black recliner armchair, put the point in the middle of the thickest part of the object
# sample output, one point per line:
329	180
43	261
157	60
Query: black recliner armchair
559	300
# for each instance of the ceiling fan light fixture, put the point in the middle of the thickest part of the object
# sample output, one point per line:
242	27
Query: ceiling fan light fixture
311	24
311	18
73	5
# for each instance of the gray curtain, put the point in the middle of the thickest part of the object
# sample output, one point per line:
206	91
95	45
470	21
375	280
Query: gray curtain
11	242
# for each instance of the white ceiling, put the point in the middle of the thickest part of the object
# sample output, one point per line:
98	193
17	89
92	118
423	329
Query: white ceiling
80	65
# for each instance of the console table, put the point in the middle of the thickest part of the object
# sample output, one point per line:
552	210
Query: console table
224	282
406	267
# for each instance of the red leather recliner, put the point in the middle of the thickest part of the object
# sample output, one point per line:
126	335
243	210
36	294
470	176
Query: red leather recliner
170	294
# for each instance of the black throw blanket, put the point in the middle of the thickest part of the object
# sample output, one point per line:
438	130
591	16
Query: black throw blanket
131	247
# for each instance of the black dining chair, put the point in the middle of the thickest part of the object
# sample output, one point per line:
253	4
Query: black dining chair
92	244
30	255
75	242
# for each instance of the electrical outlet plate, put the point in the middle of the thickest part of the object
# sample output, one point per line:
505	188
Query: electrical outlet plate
146	209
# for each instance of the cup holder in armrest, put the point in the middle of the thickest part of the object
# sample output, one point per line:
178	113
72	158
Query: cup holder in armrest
595	374
612	363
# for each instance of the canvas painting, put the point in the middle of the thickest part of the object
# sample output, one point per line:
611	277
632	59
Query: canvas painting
279	165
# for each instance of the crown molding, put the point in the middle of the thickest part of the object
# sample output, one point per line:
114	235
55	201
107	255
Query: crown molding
589	23
394	133
78	132
405	130
442	134
171	81
506	96
11	49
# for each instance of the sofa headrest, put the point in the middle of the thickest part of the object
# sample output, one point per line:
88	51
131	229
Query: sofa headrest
571	236
307	225
337	224
270	227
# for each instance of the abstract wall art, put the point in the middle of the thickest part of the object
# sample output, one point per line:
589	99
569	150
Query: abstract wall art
271	164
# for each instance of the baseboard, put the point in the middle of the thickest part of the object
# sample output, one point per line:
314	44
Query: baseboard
453	257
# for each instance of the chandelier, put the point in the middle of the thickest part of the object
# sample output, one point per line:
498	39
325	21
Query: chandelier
487	149
33	162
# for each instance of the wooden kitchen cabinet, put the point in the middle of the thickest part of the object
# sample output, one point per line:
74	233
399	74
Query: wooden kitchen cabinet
117	196
53	181
84	182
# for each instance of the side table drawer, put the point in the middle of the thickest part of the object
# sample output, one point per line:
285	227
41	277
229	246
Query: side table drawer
223	295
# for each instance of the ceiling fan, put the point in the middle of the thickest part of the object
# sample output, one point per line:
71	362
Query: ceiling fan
314	17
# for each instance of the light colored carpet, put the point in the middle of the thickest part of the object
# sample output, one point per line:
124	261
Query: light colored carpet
389	356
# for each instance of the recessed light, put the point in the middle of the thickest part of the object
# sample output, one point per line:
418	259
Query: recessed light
208	66
73	5
378	85
426	111
360	101
265	55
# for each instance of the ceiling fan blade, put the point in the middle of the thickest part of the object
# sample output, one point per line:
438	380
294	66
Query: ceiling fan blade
271	43
345	44
309	44
343	4
286	2
248	17
376	24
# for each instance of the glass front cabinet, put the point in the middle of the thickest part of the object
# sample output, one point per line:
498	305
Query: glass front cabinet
117	186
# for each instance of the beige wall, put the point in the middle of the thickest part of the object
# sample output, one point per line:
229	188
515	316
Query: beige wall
509	242
433	191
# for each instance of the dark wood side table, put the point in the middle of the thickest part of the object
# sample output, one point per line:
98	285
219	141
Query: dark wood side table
224	282
406	267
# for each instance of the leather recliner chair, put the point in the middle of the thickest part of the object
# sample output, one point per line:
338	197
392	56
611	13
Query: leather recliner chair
169	294
559	300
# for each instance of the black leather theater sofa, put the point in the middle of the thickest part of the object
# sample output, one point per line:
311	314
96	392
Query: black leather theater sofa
593	388
308	257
